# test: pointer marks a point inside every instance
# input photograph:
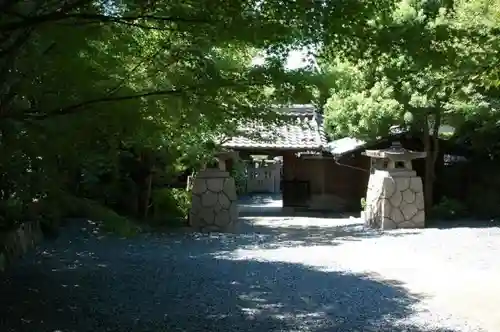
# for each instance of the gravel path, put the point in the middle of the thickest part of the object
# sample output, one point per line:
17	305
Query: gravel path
282	274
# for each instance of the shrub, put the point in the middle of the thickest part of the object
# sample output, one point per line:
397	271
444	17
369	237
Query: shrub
170	206
46	210
484	201
69	206
483	197
11	213
52	209
363	204
107	219
3	262
448	209
239	174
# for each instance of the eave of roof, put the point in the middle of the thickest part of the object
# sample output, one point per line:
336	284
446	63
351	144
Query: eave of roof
303	132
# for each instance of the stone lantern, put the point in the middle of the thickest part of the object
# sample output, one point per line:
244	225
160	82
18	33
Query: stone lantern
213	199
395	197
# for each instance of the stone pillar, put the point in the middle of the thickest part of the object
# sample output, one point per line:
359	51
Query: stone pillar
395	200
222	165
214	202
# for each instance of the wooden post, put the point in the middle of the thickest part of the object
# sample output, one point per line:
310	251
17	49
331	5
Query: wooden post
323	176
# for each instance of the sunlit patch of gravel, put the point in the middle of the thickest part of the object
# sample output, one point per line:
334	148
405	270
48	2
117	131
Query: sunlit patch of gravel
455	269
278	274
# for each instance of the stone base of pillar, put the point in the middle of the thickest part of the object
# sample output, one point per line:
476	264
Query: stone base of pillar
214	205
395	200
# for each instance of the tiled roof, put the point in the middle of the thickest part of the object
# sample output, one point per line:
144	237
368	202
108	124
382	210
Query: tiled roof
344	145
304	131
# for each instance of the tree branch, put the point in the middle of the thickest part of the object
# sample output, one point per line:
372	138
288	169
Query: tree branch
76	107
6	4
435	133
131	24
73	108
60	16
134	69
17	43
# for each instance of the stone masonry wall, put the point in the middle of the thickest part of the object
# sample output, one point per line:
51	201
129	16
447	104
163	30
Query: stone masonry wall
214	202
395	201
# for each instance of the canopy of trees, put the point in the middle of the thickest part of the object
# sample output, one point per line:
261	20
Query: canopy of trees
99	96
422	64
109	100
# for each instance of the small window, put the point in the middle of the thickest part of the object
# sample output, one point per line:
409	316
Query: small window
400	164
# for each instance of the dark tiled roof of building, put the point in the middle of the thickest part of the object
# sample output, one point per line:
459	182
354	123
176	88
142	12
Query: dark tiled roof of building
304	131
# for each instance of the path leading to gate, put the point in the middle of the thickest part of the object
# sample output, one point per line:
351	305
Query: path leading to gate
280	274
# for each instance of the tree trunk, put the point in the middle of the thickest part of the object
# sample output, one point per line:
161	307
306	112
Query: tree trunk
431	147
147	198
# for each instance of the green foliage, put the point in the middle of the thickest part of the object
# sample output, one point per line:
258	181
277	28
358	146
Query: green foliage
97	96
53	209
483	197
421	64
363	204
107	99
239	174
170	206
448	209
365	114
3	262
107	219
403	81
475	184
12	213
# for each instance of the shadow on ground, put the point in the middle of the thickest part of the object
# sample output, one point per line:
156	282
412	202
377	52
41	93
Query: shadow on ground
262	199
271	205
87	282
278	232
464	223
259	205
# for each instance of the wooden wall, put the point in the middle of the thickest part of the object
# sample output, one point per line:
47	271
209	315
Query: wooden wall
348	180
341	185
338	187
